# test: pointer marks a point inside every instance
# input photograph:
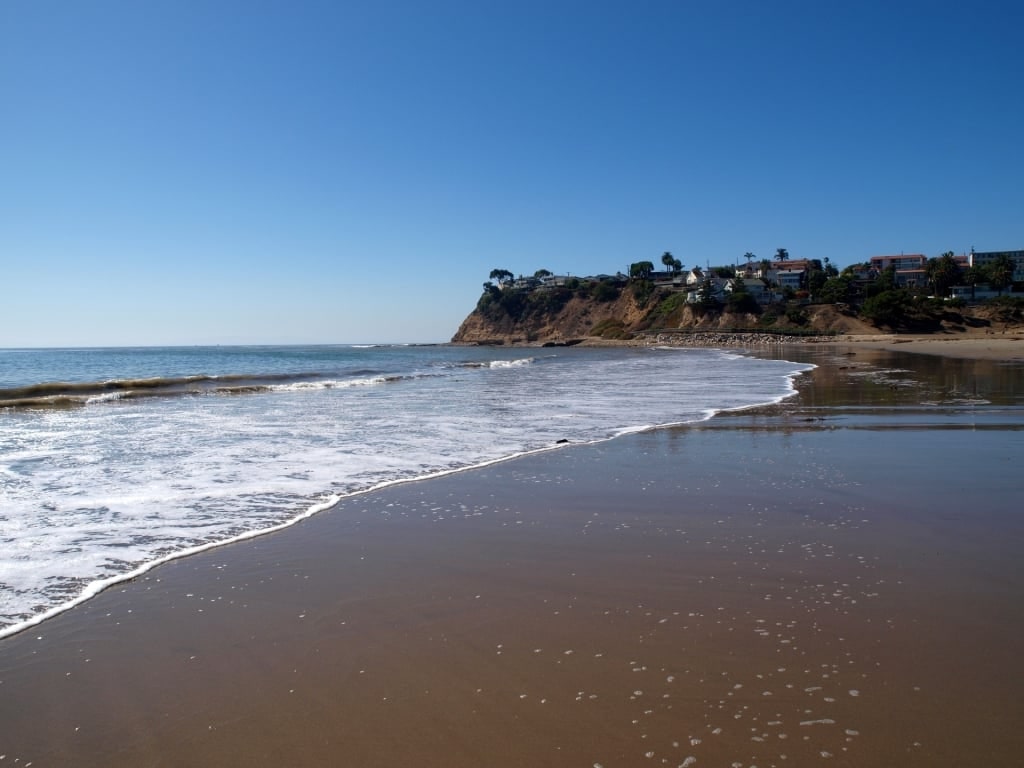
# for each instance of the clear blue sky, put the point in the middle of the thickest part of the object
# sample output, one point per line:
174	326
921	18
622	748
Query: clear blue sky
275	172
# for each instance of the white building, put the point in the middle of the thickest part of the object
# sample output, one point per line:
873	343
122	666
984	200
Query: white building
984	258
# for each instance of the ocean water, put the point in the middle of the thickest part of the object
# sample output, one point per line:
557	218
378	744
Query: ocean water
113	460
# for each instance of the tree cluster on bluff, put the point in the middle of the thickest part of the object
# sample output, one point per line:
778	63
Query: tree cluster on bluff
526	302
750	297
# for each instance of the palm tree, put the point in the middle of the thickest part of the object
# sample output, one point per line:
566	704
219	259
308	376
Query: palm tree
973	275
943	273
781	254
668	260
1000	272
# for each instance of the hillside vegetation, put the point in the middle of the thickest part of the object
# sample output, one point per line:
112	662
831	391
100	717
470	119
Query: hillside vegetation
571	314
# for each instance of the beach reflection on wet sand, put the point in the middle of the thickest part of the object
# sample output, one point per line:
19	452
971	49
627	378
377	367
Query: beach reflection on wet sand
833	581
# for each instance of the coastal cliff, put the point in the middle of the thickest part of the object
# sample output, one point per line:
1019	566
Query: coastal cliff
563	316
559	320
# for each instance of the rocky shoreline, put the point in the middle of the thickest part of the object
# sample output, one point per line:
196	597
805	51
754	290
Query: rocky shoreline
990	346
713	339
688	339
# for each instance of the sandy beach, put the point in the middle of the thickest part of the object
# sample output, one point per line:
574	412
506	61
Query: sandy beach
1003	347
833	580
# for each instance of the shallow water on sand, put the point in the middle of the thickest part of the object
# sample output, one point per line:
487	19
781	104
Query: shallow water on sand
707	595
807	583
113	460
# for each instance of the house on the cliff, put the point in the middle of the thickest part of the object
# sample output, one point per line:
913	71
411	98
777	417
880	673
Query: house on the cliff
910	268
790	278
718	286
674	281
760	292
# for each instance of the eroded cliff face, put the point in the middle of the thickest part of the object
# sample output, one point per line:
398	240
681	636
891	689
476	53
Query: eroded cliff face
572	322
582	317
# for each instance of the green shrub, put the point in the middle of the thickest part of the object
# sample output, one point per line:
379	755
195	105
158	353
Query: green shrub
668	305
604	292
796	315
550	301
742	301
836	290
933	304
611	328
642	291
1010	302
888	307
514	302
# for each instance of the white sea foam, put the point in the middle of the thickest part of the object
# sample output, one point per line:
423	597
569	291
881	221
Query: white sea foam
106	397
511	363
298	386
92	496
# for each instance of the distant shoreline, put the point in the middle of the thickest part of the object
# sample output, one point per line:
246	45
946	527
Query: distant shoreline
1007	346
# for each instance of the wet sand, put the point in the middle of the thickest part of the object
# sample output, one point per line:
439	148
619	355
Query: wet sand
1005	346
834	581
